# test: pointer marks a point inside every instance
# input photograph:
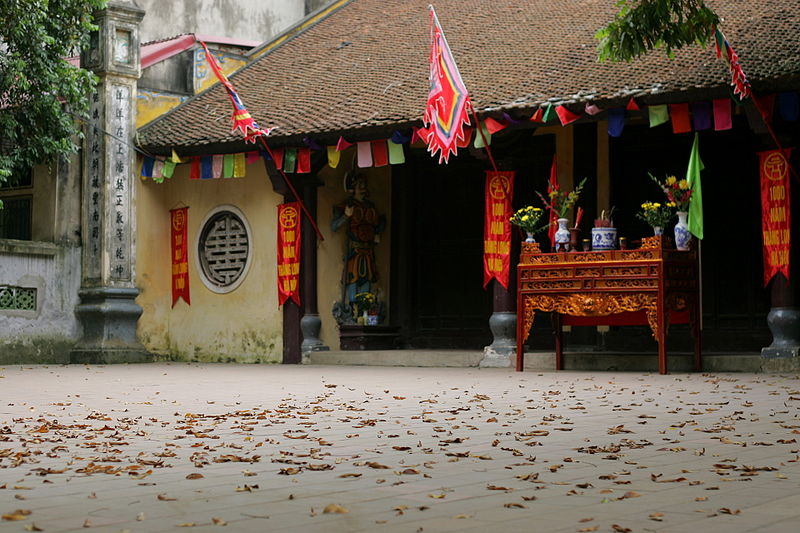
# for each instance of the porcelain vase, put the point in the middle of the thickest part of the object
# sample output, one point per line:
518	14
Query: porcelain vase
658	230
530	237
562	235
682	236
604	238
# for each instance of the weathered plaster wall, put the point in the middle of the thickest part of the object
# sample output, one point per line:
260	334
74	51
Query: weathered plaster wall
244	325
46	334
246	19
331	252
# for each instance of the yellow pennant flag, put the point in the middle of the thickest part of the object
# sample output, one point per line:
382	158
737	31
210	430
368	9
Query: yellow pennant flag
175	158
333	157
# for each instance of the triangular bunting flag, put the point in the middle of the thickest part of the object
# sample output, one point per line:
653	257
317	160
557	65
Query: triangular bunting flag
537	115
632	106
333	157
342	144
493	126
566	116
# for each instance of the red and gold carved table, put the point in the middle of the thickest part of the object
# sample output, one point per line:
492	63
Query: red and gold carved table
650	285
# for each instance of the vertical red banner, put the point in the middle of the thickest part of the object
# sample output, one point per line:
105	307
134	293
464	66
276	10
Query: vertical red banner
289	252
179	248
497	228
776	215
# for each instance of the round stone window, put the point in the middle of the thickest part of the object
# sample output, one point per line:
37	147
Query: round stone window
223	249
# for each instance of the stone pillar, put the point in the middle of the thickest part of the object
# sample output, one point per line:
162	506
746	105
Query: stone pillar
108	311
783	318
310	323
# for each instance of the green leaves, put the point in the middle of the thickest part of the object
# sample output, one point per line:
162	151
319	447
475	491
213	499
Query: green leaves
41	94
644	25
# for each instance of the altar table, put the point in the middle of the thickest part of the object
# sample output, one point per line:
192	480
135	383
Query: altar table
650	285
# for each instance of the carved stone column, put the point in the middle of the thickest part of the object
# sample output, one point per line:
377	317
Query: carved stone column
310	323
108	311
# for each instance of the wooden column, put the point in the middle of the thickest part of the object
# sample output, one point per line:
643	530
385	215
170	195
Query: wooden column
310	323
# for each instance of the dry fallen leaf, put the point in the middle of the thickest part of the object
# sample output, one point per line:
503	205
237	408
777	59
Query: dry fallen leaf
19	514
350	474
587	529
195	476
514	505
658	517
218	521
462	516
186	524
619	529
334	508
437	496
165	498
32	527
87	523
140	517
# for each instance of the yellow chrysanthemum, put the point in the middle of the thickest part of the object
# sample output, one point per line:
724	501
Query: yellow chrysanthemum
671	180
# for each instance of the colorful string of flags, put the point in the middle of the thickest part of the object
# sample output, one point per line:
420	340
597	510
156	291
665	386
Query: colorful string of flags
684	118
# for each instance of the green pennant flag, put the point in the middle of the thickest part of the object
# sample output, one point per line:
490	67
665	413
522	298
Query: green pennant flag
549	113
696	202
396	154
290	160
658	114
227	166
479	138
169	168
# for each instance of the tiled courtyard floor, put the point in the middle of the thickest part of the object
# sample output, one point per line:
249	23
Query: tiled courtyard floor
149	448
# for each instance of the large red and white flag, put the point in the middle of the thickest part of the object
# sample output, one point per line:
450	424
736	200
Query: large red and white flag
446	112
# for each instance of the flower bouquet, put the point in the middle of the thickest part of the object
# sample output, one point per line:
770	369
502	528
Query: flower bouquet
528	218
657	215
677	191
560	201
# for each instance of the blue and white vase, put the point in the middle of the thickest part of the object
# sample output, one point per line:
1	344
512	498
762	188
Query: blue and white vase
530	237
658	230
604	239
562	235
682	235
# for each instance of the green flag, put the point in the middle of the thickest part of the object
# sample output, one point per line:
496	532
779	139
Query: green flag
696	202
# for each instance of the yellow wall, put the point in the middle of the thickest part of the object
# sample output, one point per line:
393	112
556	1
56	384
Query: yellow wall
244	325
152	104
331	252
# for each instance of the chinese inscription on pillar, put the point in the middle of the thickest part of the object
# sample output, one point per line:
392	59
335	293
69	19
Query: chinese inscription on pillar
119	237
95	191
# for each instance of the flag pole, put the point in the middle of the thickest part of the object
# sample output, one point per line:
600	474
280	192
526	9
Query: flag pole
294	192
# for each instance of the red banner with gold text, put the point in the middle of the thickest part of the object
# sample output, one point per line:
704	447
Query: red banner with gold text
776	215
180	256
289	252
497	228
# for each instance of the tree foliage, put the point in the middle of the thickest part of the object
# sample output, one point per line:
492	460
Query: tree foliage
41	94
643	25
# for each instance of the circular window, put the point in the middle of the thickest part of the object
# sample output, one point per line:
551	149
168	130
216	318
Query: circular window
223	249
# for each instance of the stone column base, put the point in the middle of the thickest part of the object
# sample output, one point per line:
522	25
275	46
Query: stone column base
502	352
108	316
783	355
310	325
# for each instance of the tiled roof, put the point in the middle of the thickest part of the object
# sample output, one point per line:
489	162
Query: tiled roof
364	68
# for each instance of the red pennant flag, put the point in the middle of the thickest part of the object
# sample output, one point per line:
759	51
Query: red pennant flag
680	118
766	107
552	186
565	115
419	134
467	138
303	160
241	117
289	252
194	170
493	126
277	157
342	145
380	153
446	112
537	115
632	106
179	247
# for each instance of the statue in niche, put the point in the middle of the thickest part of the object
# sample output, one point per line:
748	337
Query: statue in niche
363	225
